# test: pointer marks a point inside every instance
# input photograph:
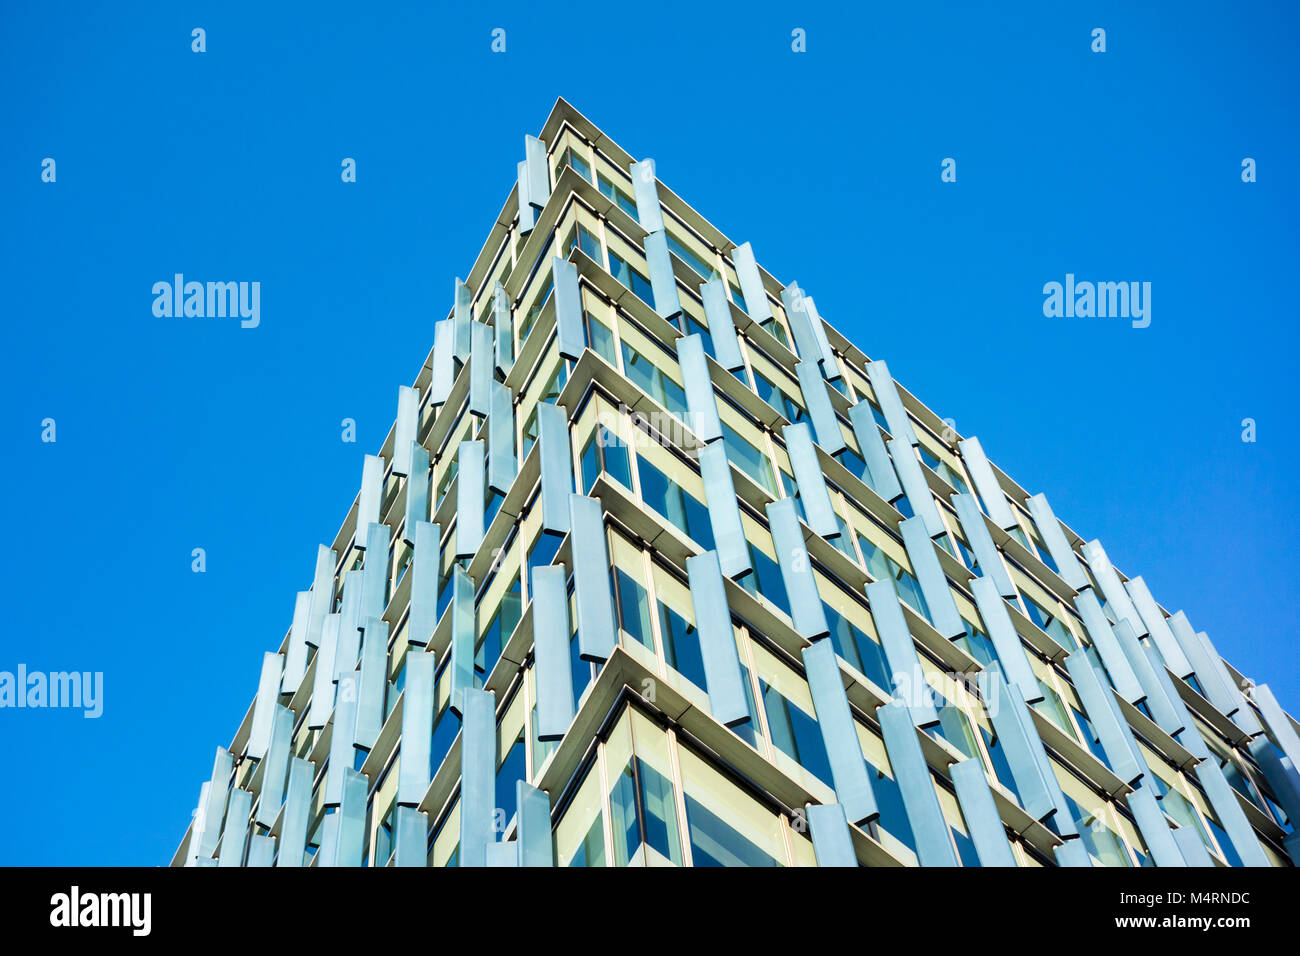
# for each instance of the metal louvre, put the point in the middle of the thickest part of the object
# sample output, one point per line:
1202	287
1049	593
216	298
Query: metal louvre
987	484
717	639
839	733
806	611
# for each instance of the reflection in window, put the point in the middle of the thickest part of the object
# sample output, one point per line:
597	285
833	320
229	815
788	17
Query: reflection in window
748	459
384	836
642	814
498	631
858	649
622	270
942	469
510	772
688	257
682	646
884	568
677	507
542	749
766	579
777	330
584	240
954	727
1052	625
714	842
539	302
651	379
601	339
774	396
1090	737
693	327
737	298
592	850
612	192
549	396
1100	840
578	163
893	812
446	726
605	452
1053	708
544	548
633	608
796	733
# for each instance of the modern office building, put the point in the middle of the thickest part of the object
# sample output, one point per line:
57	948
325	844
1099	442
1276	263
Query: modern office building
655	567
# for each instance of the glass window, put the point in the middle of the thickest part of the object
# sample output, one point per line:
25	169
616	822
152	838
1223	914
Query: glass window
1090	737
954	727
643	814
579	670
858	649
542	749
601	339
677	507
1100	840
530	317
748	732
1053	626
977	644
893	812
688	257
1053	708
749	459
694	327
612	192
852	462
498	631
682	646
543	551
771	393
580	832
509	773
941	468
998	759
591	851
578	163
446	726
1044	555
622	270
884	568
716	843
552	392
766	579
634	608
384	835
605	452
737	298
1179	807
796	733
651	379
588	243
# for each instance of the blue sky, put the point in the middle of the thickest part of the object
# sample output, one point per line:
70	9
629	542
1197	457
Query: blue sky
174	434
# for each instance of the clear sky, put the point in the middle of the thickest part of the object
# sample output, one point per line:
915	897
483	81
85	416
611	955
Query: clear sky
175	434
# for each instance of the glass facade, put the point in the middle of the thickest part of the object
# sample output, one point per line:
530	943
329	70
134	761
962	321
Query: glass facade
645	774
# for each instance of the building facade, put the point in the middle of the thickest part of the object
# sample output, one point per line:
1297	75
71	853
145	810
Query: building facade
655	567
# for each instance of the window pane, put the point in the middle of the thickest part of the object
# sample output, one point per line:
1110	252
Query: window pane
682	646
715	843
634	608
642	813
